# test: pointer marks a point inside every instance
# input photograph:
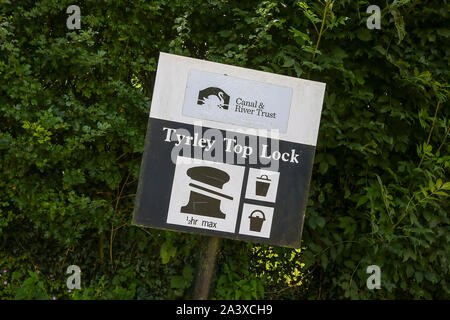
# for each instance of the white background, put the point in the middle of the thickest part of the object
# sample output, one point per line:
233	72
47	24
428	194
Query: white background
171	81
181	192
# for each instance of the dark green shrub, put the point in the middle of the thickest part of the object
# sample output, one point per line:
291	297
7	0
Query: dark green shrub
74	108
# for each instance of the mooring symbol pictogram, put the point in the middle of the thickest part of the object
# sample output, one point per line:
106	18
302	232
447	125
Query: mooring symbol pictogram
202	204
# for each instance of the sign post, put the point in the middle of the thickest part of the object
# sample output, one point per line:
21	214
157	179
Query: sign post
205	268
228	154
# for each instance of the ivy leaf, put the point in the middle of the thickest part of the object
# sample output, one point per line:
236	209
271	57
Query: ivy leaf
167	251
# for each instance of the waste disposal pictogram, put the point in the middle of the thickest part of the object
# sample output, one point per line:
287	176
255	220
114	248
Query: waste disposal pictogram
256	222
262	185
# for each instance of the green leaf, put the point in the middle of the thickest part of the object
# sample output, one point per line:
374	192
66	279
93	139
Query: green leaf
167	251
320	222
288	62
446	186
419	276
361	201
177	282
323	167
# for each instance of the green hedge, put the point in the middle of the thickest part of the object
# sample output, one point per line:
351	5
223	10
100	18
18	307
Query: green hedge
73	116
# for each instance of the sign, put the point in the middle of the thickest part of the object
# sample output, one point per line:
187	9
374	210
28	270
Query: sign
228	152
237	101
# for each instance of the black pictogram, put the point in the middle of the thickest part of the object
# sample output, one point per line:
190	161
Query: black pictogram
206	205
262	185
256	222
213	96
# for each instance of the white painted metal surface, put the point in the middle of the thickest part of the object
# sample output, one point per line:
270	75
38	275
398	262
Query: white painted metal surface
299	107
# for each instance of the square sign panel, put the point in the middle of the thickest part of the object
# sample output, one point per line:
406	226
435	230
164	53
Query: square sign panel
207	195
228	152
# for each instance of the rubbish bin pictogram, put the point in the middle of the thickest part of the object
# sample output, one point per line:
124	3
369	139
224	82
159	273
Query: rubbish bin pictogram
262	185
255	221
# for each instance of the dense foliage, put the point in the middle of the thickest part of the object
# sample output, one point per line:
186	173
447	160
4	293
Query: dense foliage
74	107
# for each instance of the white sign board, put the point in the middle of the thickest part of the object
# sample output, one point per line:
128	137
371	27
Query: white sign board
229	151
